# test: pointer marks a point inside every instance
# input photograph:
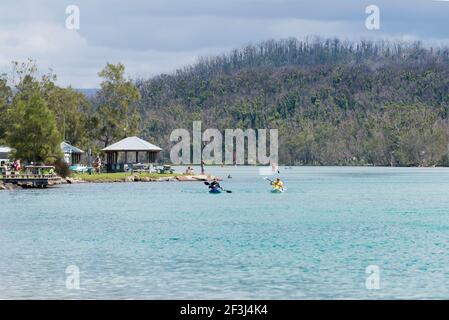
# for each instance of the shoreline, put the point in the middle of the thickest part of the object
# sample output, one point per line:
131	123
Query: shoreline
137	177
127	177
117	178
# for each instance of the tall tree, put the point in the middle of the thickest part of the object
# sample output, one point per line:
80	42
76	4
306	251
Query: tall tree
117	116
33	133
5	96
31	128
71	110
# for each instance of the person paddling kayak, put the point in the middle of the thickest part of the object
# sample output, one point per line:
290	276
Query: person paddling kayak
278	184
214	185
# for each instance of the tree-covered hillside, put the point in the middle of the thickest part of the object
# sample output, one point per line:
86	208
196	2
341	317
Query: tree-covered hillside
333	102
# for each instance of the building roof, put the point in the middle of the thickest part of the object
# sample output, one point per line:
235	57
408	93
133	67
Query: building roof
132	144
5	149
68	148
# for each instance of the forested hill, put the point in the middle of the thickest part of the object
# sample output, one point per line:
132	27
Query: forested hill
381	103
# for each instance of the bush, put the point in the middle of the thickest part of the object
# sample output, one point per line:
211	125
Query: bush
62	168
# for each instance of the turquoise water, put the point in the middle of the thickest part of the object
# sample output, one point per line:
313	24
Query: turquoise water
174	240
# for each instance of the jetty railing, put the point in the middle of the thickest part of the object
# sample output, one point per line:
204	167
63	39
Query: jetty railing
32	177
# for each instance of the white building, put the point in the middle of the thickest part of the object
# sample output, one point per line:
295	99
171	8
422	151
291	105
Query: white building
5	154
72	155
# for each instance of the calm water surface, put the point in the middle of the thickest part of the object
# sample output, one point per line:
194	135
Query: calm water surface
174	240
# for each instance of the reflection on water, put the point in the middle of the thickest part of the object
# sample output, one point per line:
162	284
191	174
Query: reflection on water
174	240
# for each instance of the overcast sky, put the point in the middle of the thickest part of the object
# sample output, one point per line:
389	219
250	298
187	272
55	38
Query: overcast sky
157	36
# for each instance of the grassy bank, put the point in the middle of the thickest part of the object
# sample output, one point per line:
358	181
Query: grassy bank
120	176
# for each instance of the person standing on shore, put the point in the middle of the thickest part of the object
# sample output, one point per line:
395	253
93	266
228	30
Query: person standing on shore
16	166
97	164
202	167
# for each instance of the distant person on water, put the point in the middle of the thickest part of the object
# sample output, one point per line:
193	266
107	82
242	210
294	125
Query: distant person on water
278	184
215	185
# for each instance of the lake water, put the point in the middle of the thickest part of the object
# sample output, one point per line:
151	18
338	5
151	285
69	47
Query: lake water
174	240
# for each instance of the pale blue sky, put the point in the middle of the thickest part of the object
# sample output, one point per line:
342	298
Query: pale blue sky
156	36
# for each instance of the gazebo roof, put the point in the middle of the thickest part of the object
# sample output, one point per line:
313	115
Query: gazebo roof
68	148
132	144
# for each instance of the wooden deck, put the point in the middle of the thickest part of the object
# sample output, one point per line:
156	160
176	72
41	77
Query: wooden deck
31	180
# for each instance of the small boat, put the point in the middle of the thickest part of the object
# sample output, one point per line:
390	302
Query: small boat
215	190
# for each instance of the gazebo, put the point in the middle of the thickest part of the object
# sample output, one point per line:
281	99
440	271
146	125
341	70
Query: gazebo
129	151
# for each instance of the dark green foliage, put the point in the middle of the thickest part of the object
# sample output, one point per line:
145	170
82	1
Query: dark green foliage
334	103
33	132
5	96
116	116
39	115
72	110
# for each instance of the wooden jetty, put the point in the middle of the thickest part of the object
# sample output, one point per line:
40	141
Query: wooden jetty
33	177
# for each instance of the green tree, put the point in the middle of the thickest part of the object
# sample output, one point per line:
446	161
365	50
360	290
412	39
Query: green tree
117	116
71	110
5	95
33	133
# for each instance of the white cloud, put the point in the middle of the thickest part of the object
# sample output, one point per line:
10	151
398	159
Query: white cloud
76	62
